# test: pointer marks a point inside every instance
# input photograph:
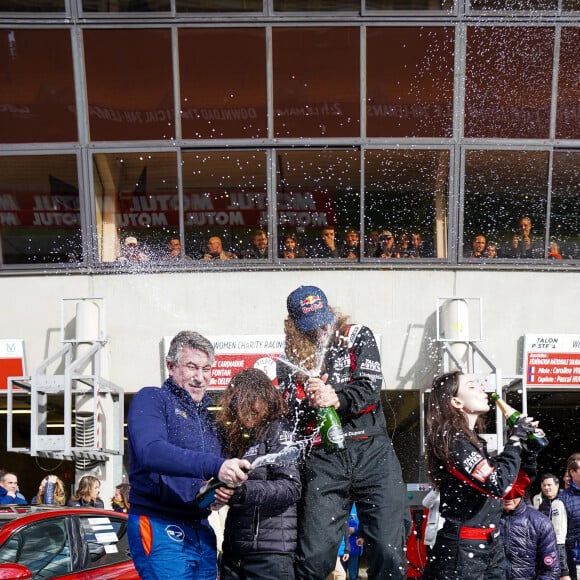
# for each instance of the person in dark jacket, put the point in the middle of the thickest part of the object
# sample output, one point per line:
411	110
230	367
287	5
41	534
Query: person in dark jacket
87	493
174	446
9	493
329	362
261	526
571	499
528	537
470	481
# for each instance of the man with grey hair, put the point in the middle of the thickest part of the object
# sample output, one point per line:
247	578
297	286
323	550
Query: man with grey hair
174	448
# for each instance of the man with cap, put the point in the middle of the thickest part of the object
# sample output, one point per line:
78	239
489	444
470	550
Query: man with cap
528	536
387	248
131	252
331	362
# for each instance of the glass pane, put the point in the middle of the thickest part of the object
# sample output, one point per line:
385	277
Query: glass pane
514	5
568	115
105	538
502	65
570	5
226	204
218	5
223	96
316	5
44	548
129	84
406	203
39	210
316	82
565	205
318	202
410	95
409	4
506	201
137	206
127	6
37	91
32	6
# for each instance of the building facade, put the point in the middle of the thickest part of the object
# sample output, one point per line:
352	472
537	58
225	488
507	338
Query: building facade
132	133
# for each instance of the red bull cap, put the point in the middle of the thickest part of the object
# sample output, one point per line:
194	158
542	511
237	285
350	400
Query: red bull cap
308	308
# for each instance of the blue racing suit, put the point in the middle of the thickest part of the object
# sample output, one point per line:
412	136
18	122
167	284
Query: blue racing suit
174	446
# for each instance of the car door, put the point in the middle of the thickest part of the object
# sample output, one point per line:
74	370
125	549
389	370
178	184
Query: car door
102	550
42	546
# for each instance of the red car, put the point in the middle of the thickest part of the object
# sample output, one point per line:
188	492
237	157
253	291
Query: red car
72	543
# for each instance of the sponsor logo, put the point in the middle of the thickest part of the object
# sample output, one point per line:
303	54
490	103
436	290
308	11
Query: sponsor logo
175	533
311	303
371	365
335	434
471	461
482	471
180	413
549	560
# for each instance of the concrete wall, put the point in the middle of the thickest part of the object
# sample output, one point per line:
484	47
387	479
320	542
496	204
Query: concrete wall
400	305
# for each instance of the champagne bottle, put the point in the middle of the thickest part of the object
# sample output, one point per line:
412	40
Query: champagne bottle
536	440
330	429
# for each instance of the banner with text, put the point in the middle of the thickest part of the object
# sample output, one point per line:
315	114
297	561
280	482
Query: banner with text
234	353
552	360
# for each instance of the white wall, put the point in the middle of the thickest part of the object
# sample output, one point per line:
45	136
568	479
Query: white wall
398	304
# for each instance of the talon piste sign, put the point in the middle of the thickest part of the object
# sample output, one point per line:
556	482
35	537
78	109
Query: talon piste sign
552	360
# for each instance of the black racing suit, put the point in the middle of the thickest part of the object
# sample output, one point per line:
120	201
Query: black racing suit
468	545
366	472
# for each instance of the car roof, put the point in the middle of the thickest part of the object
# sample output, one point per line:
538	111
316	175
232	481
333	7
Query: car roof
15	516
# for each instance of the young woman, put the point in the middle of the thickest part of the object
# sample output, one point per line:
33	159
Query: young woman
120	501
87	493
261	526
50	492
471	483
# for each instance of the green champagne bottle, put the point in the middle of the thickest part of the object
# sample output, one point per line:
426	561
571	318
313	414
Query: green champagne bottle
330	429
536	440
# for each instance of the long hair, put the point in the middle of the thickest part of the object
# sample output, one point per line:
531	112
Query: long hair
124	489
245	389
85	487
444	423
304	352
59	492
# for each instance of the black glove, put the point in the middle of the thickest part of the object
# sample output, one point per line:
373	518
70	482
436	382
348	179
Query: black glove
522	428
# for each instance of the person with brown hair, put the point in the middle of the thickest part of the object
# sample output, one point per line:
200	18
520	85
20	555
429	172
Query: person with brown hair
120	501
470	481
87	493
330	362
51	491
261	526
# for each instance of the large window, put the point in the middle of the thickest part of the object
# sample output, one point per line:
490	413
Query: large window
406	201
129	84
410	95
40	218
506	201
177	132
37	91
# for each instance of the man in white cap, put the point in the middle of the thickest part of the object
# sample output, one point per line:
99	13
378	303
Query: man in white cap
332	363
131	252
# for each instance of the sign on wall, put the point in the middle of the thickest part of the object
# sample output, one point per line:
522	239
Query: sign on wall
552	360
234	353
11	360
